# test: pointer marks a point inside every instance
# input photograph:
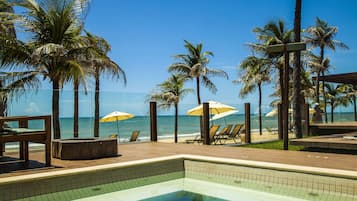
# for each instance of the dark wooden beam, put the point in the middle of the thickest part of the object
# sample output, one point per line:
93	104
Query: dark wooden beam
247	122
153	122
343	78
205	124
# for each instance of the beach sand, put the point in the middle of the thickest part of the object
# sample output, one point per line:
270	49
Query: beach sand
255	137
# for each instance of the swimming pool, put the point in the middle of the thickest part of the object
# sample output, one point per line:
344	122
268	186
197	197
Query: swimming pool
227	179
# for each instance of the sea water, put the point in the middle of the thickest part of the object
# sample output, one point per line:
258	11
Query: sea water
187	125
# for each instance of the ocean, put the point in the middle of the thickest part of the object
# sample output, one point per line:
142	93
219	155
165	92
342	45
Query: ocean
188	125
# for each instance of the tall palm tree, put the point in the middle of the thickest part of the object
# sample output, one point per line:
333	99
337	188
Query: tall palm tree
255	72
319	67
101	64
55	27
169	93
298	98
271	34
322	35
193	65
336	97
14	80
351	92
77	80
7	30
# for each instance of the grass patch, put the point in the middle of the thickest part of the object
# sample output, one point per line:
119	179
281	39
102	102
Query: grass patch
278	145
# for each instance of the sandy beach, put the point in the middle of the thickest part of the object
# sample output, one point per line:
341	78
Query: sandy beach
255	137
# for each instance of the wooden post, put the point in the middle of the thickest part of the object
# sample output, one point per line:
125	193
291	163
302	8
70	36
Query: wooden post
247	122
306	119
286	48
285	93
48	129
2	146
205	124
153	122
280	121
24	145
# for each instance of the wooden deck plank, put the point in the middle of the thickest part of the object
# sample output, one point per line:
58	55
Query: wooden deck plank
138	151
336	141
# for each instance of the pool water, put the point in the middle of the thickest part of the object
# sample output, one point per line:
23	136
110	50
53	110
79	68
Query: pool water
183	196
199	190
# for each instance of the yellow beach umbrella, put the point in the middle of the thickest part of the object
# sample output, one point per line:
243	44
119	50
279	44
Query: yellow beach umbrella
224	114
214	108
116	116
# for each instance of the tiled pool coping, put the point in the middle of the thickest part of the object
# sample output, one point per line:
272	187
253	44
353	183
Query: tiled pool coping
268	165
47	182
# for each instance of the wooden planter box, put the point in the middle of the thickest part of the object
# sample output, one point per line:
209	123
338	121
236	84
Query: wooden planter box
84	148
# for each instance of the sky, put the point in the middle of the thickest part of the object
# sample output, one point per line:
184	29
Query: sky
146	34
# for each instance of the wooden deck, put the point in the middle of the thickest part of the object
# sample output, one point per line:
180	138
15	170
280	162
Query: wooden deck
332	128
130	152
336	141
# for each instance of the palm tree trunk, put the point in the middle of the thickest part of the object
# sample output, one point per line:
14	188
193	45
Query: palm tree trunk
76	109
280	115
332	103
324	96
176	121
322	53
281	83
317	86
96	104
55	110
297	72
260	109
198	90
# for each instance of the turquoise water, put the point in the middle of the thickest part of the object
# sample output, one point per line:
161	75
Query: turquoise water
183	196
188	125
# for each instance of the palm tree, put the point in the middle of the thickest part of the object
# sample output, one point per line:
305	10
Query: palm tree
169	93
14	85
319	67
77	80
336	97
101	63
255	72
194	66
322	35
271	34
351	92
55	44
6	31
14	80
298	98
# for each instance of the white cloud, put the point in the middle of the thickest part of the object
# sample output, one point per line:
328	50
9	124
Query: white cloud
32	108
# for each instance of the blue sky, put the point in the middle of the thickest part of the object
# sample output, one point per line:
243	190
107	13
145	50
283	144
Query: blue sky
145	34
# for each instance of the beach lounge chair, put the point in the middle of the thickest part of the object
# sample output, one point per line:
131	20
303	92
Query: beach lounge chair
235	134
113	136
134	136
212	133
223	134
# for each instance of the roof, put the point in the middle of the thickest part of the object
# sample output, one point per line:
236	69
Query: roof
344	78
